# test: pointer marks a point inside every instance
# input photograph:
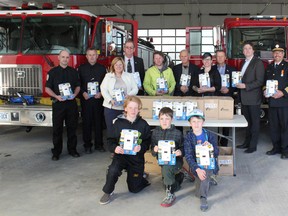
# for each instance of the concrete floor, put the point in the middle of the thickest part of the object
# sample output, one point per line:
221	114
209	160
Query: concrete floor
31	184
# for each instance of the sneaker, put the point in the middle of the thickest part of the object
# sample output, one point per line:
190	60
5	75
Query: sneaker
106	198
168	200
213	180
203	204
145	175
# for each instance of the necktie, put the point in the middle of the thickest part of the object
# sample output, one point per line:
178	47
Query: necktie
129	67
276	66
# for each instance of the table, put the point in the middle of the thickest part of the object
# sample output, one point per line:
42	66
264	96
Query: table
237	121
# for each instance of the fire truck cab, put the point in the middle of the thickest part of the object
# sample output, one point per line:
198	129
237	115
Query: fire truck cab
30	41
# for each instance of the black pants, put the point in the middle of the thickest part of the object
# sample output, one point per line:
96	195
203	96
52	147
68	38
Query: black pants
135	170
252	115
223	141
64	111
278	120
92	116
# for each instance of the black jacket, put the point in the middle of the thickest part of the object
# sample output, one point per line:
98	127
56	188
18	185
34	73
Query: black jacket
169	134
215	81
177	71
89	73
139	124
254	80
228	70
280	74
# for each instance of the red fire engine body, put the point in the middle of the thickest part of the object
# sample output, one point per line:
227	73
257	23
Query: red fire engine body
263	31
30	41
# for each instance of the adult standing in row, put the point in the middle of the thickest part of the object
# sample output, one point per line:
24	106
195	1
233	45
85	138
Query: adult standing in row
210	83
116	85
278	104
184	73
226	88
134	65
91	76
159	79
63	109
250	88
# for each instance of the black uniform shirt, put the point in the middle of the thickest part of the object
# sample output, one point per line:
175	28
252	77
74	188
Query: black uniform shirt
90	73
281	74
58	75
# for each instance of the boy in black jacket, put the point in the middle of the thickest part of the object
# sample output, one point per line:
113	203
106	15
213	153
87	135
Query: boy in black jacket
171	174
126	156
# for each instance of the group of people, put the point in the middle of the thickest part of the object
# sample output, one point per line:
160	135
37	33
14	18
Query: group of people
111	96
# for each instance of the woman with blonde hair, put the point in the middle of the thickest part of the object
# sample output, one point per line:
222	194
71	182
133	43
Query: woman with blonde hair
116	85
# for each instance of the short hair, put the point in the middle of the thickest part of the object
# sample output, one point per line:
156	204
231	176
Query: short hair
133	99
114	61
166	111
64	50
248	43
159	53
185	50
129	41
218	51
206	54
91	49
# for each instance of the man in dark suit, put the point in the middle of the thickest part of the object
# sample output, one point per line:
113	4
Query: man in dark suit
227	89
278	103
134	64
252	74
185	69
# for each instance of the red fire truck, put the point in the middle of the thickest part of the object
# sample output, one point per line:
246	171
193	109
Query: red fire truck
30	41
263	31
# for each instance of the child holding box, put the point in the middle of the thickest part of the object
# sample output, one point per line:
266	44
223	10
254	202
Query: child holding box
129	149
201	153
166	132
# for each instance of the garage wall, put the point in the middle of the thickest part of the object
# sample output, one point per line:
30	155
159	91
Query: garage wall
191	14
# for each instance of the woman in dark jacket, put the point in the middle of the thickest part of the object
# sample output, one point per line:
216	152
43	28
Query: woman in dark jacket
210	83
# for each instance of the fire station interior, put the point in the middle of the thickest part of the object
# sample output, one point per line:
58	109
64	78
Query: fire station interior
32	184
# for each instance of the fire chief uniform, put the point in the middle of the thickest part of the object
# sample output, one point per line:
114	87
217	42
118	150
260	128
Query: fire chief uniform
92	109
278	109
64	110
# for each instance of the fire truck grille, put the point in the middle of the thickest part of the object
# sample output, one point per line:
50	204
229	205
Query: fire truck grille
20	78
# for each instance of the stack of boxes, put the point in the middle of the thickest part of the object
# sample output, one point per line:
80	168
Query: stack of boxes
213	107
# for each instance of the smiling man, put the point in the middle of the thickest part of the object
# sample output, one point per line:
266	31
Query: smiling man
278	103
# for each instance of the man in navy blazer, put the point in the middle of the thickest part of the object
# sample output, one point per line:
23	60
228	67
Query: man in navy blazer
184	69
134	64
227	90
253	75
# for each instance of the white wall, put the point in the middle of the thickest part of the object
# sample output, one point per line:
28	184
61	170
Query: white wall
189	12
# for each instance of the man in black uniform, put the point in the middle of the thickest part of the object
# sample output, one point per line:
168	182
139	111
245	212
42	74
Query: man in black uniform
134	64
64	105
278	103
91	76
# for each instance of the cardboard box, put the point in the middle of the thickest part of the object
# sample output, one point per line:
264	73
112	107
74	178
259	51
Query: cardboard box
225	161
226	108
147	105
211	107
151	164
